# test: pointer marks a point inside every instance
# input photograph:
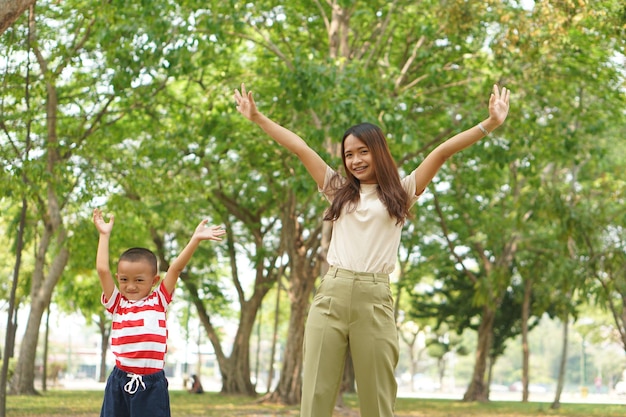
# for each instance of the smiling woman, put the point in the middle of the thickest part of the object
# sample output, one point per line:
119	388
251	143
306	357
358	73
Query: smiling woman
359	160
369	204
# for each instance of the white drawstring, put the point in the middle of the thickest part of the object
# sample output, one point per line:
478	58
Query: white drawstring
132	386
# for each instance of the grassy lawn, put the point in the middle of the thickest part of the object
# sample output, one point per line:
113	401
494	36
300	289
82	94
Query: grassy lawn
87	404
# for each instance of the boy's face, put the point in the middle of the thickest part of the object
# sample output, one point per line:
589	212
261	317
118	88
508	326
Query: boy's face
135	279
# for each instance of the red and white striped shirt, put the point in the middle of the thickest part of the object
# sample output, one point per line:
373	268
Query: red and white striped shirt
139	331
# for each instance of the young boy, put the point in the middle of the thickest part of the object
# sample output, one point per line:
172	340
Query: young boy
137	385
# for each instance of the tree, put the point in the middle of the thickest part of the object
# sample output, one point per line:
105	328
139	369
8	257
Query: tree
52	238
130	106
368	67
553	121
11	328
75	104
11	11
193	164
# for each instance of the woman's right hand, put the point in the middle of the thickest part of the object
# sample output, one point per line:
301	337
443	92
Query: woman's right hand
245	103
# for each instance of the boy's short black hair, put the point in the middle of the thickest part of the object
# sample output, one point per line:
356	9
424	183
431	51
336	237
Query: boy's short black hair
140	254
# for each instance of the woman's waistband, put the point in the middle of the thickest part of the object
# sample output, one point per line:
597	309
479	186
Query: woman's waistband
334	271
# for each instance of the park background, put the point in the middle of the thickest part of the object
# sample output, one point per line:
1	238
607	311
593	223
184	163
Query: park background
512	272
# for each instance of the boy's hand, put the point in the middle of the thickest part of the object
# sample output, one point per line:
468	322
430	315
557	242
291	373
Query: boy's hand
102	226
205	232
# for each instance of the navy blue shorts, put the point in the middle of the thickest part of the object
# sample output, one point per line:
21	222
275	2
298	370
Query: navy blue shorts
130	395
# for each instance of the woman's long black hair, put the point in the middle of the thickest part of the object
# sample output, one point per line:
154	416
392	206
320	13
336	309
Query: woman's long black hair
390	190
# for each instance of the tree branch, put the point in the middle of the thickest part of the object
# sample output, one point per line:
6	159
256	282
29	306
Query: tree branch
405	68
267	44
11	11
382	29
451	246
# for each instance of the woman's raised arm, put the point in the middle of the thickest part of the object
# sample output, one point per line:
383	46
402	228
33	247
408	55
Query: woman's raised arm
498	110
284	137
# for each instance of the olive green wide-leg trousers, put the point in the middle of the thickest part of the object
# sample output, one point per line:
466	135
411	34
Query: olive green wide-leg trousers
352	310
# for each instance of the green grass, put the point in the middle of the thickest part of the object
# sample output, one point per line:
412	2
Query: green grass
87	404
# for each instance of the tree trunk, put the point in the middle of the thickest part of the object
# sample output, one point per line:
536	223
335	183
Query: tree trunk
11	11
9	345
289	388
234	369
257	352
23	381
236	380
413	362
44	374
270	371
54	236
339	32
477	390
105	332
556	404
441	366
307	258
492	363
525	349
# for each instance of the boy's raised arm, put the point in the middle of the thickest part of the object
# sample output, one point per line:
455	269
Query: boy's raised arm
202	232
102	255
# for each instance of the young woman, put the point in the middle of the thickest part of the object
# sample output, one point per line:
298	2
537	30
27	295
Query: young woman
353	307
